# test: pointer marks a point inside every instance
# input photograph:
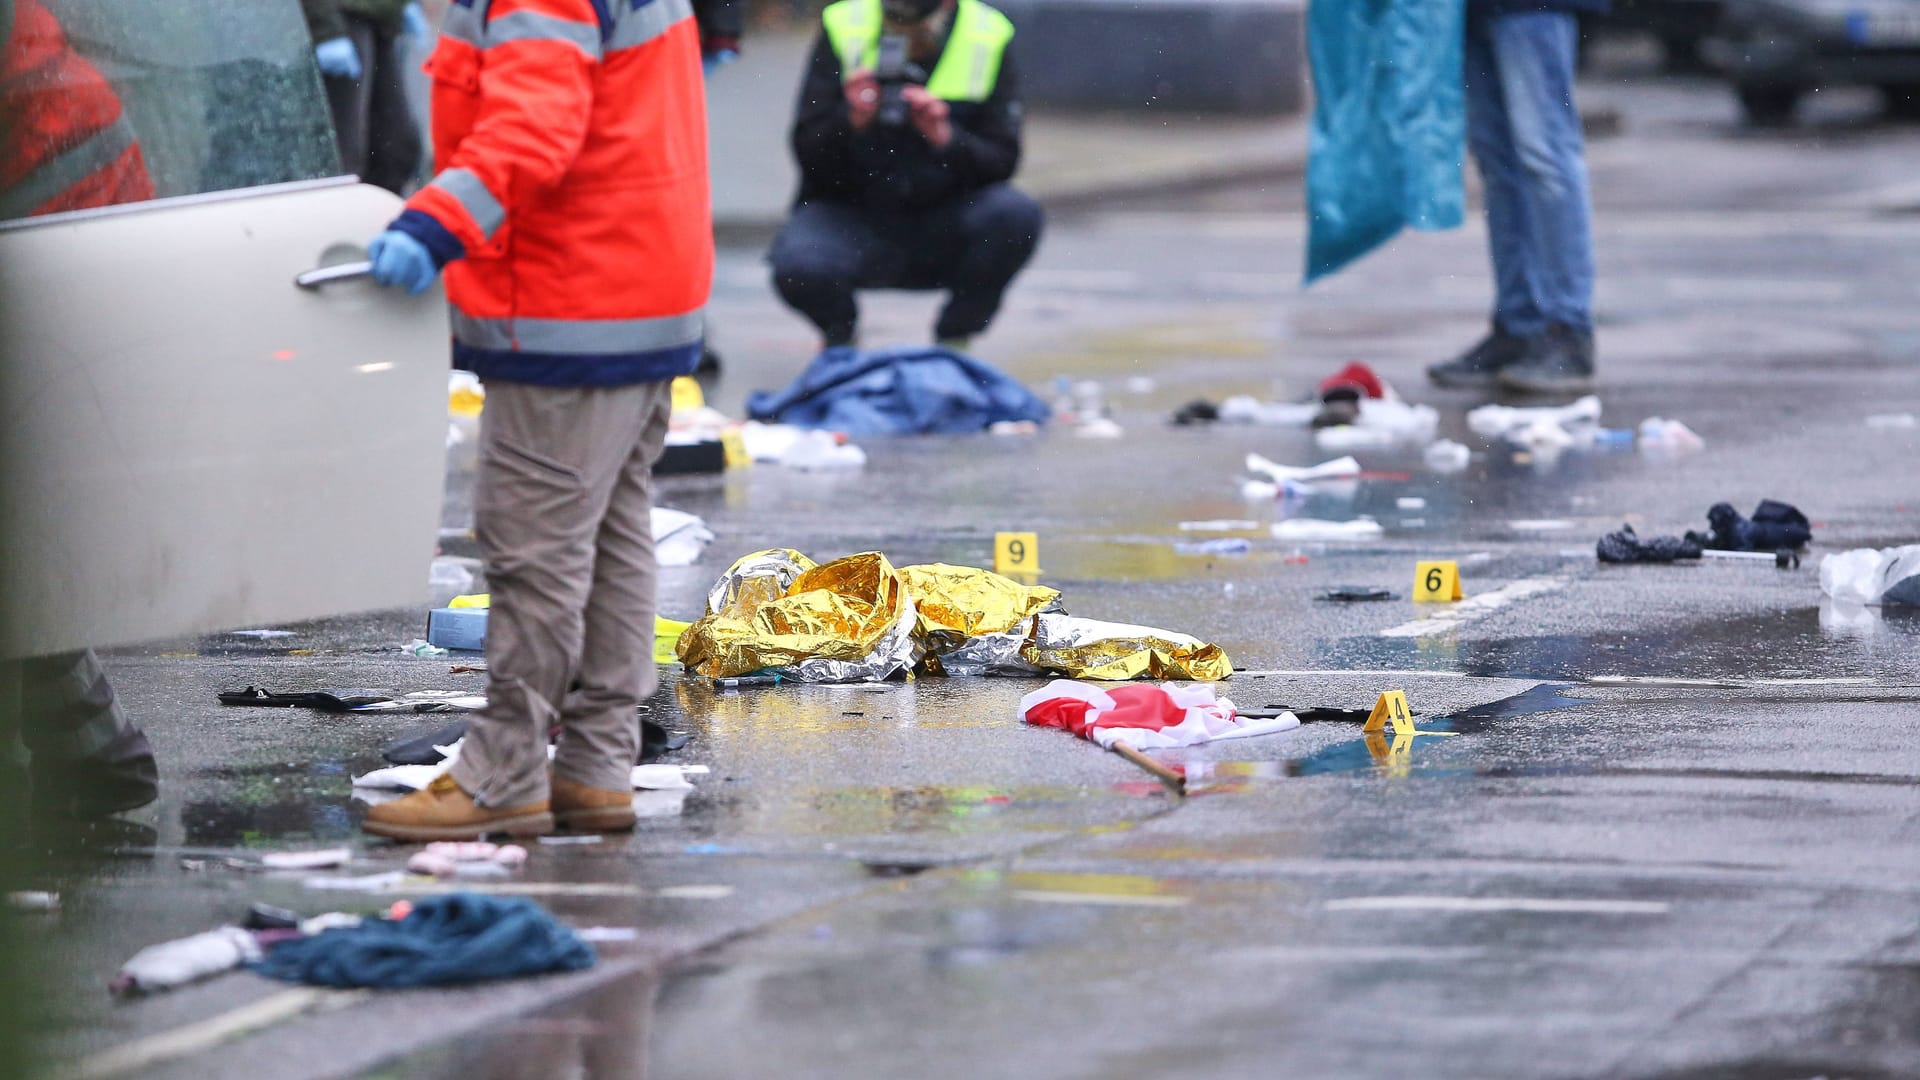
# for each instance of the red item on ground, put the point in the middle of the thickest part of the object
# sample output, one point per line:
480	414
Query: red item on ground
1356	377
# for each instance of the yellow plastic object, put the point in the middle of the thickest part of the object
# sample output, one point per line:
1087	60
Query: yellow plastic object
836	612
686	395
959	602
666	639
1392	708
735	448
1088	649
1016	553
1436	582
465	401
472	600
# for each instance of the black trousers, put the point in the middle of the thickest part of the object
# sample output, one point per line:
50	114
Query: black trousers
378	140
972	248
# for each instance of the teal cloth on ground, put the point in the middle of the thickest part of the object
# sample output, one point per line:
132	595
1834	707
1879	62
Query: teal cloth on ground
457	938
1388	137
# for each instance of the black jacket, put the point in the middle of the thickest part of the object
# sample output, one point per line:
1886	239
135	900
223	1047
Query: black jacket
897	169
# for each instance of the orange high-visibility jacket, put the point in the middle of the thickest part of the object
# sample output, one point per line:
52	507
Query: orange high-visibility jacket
67	146
570	204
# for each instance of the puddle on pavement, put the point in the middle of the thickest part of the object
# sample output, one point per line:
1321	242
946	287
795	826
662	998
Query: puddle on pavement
268	805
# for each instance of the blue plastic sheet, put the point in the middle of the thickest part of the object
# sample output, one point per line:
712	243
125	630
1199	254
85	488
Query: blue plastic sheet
1389	124
901	391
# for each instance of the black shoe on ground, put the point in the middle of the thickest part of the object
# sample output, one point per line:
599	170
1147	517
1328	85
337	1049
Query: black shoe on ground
1559	362
1480	366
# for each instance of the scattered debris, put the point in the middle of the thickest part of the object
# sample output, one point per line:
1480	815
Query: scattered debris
898	391
1224	546
1145	716
1447	456
307	860
1350	594
1866	576
1219	525
457	938
1318	529
678	537
476	859
1337	469
1660	436
328	700
1775	525
1626	546
422	649
189	959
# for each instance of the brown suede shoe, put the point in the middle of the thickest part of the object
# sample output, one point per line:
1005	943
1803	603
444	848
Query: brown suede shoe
590	809
444	812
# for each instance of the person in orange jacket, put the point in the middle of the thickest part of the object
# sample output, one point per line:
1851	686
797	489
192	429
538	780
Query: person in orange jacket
67	144
569	210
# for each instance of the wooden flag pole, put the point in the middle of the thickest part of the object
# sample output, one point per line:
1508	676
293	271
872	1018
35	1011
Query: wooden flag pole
1176	781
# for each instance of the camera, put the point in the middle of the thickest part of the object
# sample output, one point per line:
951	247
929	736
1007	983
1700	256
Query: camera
894	72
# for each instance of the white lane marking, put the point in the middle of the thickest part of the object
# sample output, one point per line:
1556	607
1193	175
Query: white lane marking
1050	896
145	1054
1346	671
1499	903
1723	684
1085	280
1476	607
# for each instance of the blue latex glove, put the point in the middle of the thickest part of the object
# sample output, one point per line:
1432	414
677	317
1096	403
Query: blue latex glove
715	61
399	259
338	57
413	22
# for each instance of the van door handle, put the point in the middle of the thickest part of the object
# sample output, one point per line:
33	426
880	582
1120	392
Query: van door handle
327	275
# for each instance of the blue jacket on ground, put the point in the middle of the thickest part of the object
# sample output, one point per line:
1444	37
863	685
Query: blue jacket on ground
900	391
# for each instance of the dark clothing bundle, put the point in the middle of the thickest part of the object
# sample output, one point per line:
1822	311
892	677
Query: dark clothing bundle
1774	525
457	938
900	391
1626	546
894	168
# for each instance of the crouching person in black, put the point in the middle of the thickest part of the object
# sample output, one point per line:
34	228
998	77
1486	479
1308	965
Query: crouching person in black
907	132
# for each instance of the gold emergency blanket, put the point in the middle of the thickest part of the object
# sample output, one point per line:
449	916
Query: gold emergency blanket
1089	649
848	620
859	619
960	602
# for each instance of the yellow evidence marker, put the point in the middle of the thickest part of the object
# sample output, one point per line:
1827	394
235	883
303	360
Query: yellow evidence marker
1016	553
1436	582
1392	707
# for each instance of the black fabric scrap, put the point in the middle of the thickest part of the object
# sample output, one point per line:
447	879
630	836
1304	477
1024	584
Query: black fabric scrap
419	748
1356	594
1626	546
1774	526
332	700
1197	412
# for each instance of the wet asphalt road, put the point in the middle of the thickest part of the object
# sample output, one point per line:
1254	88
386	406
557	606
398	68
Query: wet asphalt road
1674	838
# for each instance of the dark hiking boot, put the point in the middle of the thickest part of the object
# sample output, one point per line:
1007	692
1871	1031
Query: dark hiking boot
1480	366
1559	362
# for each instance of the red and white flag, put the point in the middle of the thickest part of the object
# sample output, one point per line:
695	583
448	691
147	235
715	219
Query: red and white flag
1145	716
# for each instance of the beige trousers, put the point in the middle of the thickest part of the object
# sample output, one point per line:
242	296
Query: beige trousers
562	509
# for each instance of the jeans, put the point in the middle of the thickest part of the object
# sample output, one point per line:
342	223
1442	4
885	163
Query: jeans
972	248
1525	135
371	119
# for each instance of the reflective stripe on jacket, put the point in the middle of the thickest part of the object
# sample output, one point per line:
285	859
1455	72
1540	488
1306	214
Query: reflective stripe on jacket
968	67
570	203
67	145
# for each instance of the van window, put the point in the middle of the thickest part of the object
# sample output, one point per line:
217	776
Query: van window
105	101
